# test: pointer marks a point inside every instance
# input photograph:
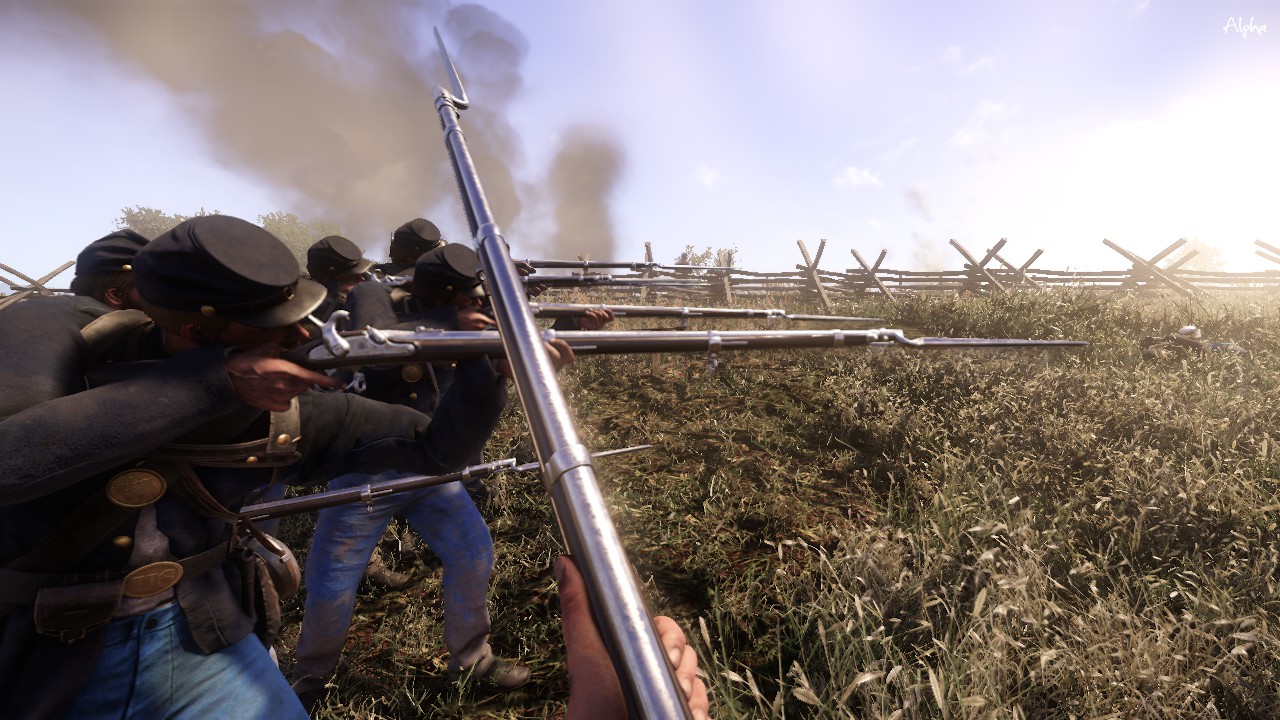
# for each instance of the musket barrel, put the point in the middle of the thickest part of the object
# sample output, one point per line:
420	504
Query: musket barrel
646	677
381	488
561	310
333	498
402	346
581	280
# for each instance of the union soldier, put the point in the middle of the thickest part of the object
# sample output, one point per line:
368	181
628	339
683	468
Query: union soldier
446	283
104	270
127	587
338	264
1184	344
408	242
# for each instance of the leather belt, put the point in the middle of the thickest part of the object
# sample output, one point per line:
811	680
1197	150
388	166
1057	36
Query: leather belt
19	588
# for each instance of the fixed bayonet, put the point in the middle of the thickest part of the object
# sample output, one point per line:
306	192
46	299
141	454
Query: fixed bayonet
373	491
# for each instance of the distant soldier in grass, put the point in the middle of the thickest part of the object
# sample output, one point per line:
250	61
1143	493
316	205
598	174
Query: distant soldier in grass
1186	343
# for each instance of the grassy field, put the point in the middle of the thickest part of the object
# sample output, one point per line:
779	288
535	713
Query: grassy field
902	534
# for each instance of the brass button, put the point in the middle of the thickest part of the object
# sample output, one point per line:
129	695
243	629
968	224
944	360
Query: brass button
207	310
413	396
411	373
152	579
135	488
284	439
251	459
126	267
122	541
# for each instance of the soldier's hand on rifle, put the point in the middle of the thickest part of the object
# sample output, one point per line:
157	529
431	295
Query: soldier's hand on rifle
472	318
594	691
261	379
525	270
558	350
595	319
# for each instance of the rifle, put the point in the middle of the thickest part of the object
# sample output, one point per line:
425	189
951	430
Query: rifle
574	280
371	346
579	280
588	265
561	310
644	673
373	491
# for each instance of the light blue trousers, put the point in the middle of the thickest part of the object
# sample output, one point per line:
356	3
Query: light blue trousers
447	519
151	669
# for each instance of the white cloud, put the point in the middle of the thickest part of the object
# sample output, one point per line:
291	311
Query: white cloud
902	148
986	62
975	131
706	176
955	57
852	177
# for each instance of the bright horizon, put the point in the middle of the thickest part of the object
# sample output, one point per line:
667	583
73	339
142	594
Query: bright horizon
714	124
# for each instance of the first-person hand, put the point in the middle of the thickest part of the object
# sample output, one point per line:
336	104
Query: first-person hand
594	690
595	319
261	379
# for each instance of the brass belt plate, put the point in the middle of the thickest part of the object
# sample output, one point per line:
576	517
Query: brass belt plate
152	579
136	488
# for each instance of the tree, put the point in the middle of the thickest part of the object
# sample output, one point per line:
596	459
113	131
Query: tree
153	223
722	257
296	233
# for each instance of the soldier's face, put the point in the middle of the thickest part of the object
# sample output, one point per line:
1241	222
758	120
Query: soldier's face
465	301
246	337
343	283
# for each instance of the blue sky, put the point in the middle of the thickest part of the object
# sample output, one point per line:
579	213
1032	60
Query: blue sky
752	123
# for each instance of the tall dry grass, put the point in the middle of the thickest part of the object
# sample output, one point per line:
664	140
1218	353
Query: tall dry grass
898	534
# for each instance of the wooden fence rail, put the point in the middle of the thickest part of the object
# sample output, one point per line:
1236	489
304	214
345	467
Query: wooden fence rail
990	273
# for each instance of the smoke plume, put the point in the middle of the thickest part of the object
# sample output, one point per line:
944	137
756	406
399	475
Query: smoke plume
331	102
929	253
583	175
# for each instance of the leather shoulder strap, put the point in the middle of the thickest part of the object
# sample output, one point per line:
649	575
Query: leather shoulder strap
279	447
